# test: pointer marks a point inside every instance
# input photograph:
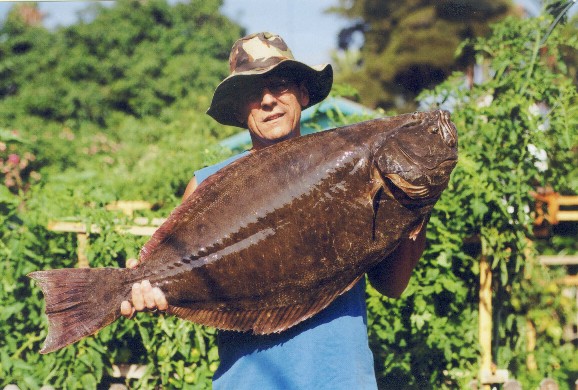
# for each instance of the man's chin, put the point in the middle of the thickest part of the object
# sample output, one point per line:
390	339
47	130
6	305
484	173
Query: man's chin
276	135
273	135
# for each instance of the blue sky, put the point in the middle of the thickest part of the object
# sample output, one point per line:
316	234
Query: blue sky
309	31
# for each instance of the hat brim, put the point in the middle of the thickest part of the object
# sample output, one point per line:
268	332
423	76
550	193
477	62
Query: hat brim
318	81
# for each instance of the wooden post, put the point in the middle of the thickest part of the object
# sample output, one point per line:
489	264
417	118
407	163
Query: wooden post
531	345
485	318
128	207
512	384
82	249
549	384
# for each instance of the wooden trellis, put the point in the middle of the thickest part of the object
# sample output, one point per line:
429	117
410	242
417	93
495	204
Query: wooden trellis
138	227
551	208
554	208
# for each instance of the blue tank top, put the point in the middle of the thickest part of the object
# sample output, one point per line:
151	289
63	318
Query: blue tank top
328	351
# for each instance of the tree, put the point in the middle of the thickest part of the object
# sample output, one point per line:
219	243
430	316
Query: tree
570	55
410	46
136	58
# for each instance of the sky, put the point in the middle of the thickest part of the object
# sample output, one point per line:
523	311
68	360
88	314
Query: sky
310	32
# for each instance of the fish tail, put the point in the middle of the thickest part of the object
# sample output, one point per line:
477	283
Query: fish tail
79	302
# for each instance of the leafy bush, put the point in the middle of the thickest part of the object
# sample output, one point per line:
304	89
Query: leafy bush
517	131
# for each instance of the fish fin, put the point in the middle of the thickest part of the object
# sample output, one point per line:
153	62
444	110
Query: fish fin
261	322
375	194
77	304
377	186
415	231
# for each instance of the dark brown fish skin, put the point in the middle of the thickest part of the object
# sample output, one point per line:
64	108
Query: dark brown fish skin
296	219
274	237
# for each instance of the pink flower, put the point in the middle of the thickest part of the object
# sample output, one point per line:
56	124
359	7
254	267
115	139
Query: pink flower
13	159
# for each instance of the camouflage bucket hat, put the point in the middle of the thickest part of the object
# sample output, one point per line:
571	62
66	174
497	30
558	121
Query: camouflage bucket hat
255	56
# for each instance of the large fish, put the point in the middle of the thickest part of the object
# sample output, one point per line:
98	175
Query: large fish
276	236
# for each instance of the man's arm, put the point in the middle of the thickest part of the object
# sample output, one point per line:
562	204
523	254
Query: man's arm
191	187
391	276
143	294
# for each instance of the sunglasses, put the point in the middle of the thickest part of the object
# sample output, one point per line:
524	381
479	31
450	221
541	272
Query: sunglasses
276	87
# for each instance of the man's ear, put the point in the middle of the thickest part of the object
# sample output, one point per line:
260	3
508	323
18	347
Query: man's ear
303	95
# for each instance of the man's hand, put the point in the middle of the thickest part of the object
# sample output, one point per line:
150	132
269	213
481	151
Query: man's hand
144	296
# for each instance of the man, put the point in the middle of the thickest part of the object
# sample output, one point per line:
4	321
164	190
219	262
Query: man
265	92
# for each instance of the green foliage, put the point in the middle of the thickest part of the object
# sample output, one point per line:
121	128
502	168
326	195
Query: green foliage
409	46
176	353
137	58
110	108
517	131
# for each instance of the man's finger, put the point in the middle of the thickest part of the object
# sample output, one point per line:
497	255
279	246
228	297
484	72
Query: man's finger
131	263
126	309
160	299
148	296
137	298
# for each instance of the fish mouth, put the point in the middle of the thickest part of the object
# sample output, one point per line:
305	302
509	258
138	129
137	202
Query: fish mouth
406	194
411	190
409	193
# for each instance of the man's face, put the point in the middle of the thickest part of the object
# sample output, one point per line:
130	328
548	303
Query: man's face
271	109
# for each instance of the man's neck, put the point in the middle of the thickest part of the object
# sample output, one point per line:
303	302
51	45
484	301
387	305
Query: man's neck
260	143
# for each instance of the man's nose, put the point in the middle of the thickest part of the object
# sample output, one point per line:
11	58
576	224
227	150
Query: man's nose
267	97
